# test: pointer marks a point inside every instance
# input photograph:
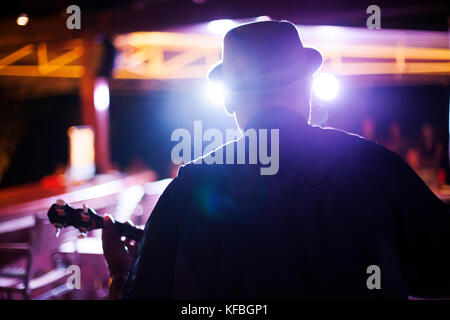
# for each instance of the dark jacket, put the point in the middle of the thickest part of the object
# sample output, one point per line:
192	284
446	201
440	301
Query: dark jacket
337	205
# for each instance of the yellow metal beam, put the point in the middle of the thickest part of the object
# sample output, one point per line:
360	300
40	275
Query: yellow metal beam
35	71
16	55
171	55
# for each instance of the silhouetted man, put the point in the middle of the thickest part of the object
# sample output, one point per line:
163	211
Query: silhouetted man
342	217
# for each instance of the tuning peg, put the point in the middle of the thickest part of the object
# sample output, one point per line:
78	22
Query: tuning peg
85	214
82	234
58	229
60	203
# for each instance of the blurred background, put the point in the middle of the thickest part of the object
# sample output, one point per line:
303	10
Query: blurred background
87	114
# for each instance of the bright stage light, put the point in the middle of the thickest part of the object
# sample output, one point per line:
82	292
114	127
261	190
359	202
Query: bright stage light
221	26
325	86
22	20
101	94
215	92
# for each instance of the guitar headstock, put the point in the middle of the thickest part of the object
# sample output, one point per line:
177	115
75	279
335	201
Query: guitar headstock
62	215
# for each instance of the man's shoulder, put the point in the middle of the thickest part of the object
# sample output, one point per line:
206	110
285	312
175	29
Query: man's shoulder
352	147
212	164
326	144
342	140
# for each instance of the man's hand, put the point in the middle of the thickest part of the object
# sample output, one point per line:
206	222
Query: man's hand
118	254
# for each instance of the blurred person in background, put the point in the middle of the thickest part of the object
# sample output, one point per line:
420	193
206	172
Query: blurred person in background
396	141
430	146
428	152
368	128
413	159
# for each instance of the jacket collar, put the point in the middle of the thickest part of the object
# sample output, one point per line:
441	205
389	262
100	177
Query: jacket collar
276	118
306	147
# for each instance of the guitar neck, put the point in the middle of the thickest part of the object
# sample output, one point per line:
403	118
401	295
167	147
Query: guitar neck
129	231
62	215
125	230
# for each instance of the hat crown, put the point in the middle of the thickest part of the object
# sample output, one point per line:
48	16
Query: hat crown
264	55
259	32
260	46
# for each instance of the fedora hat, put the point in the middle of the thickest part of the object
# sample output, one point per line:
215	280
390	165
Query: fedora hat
264	56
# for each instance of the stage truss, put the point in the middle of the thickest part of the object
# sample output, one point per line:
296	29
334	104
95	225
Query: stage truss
177	55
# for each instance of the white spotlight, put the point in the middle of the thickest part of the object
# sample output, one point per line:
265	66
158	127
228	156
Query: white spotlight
215	92
221	26
101	94
22	20
325	86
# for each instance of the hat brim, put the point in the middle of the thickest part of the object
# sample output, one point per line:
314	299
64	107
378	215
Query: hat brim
309	66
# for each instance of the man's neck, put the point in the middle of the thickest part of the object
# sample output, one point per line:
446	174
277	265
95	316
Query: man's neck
300	111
